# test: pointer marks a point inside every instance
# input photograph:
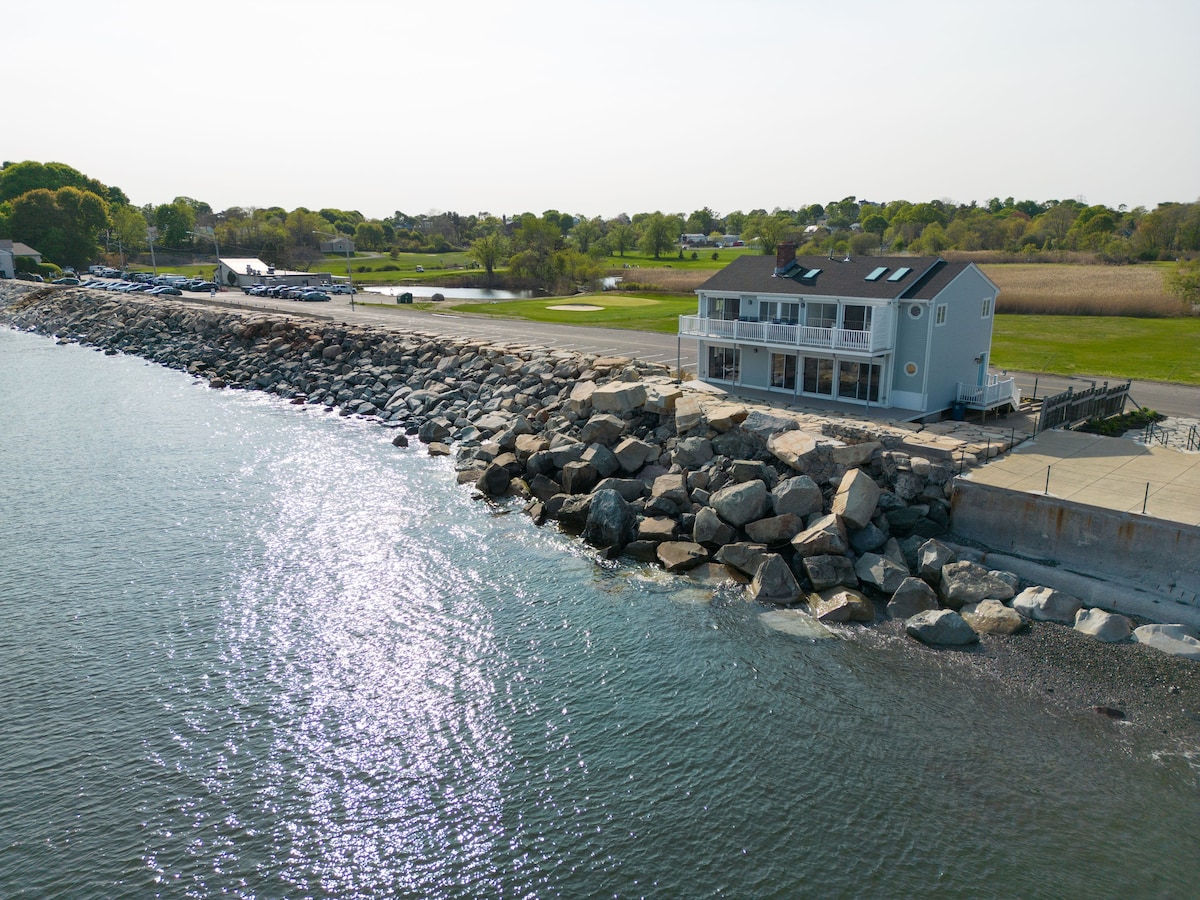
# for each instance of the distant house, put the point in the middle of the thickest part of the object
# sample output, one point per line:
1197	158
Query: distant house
693	240
338	245
9	251
907	333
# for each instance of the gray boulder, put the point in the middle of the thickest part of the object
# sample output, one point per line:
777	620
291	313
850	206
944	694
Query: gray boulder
856	498
911	597
799	496
774	582
611	522
740	503
968	582
1045	604
775	530
830	571
619	397
710	529
579	477
1103	626
827	535
679	556
941	626
743	556
632	454
602	428
672	487
693	452
931	556
868	539
1174	640
881	573
841	605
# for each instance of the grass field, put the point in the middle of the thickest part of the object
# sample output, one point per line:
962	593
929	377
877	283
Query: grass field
638	313
1082	290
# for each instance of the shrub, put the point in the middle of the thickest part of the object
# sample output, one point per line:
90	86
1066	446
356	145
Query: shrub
716	255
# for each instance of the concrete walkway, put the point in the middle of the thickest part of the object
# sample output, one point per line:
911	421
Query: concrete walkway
1111	473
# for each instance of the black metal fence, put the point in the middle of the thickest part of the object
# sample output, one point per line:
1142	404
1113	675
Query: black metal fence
1072	407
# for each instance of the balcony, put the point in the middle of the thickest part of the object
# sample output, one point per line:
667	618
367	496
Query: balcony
996	392
877	338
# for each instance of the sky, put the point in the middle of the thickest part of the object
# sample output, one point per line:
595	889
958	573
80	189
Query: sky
598	107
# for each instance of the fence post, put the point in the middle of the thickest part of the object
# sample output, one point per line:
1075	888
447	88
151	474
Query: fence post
1146	499
1047	491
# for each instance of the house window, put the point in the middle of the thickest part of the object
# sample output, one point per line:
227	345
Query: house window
783	371
778	312
858	381
910	369
987	307
818	376
723	363
821	315
856	318
940	319
916	310
723	307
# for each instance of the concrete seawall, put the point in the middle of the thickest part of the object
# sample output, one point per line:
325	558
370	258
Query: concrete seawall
1160	557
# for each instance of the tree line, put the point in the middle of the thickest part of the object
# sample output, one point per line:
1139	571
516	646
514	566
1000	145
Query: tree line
73	219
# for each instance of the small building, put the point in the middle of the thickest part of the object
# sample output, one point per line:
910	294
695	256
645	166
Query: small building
912	334
341	244
242	272
693	240
9	251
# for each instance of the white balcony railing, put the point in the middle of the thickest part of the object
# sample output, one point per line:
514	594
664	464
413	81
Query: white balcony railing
996	392
878	337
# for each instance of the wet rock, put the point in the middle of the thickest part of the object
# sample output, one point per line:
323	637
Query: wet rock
881	573
827	535
679	556
911	597
841	605
830	571
611	521
941	626
710	529
744	556
773	582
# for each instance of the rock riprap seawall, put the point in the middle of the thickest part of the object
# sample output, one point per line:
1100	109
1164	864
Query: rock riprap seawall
838	515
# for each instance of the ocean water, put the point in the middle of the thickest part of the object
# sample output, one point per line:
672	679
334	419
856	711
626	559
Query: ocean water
251	649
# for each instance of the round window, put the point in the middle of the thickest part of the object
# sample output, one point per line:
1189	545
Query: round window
910	368
915	311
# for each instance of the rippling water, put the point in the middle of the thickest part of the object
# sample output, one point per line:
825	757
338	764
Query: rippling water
251	649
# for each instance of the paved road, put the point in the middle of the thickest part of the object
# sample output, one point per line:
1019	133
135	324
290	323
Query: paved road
1179	400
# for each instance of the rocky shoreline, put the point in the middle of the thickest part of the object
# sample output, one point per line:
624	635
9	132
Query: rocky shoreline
828	519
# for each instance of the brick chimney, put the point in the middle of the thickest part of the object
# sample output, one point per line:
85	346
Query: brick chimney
785	256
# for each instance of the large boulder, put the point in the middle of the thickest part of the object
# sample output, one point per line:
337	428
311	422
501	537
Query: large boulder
881	573
856	498
724	416
841	605
740	503
798	495
679	556
992	617
580	400
968	582
656	529
941	626
602	428
632	454
1103	625
775	530
827	535
911	597
743	556
931	556
1044	604
1173	640
774	582
693	452
830	571
579	477
710	529
795	449
619	397
611	522
672	486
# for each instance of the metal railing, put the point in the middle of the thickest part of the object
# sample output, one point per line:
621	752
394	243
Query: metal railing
995	393
878	337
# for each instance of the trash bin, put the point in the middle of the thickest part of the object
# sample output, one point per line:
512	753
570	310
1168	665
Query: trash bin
406	297
958	411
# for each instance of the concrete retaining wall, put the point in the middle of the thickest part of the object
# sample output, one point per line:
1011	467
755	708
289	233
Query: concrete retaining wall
1160	556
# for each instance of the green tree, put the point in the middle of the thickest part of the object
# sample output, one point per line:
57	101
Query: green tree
1184	280
768	230
620	238
660	234
585	232
174	221
489	251
62	225
369	236
129	227
19	178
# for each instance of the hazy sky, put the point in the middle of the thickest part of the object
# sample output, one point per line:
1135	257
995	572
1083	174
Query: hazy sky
598	107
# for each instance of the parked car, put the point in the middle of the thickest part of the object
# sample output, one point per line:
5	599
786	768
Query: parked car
30	276
314	296
339	289
67	279
165	289
202	286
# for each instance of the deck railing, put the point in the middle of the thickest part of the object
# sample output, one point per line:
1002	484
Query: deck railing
878	337
996	392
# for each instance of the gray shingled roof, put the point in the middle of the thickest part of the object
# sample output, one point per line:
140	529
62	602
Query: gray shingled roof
838	277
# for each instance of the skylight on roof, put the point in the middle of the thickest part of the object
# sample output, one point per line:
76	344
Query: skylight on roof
876	274
899	274
811	273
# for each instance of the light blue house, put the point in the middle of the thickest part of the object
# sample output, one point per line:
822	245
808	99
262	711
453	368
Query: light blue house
912	334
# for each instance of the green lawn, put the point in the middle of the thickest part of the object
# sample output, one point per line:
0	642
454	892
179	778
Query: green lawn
704	258
1112	346
385	270
659	312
